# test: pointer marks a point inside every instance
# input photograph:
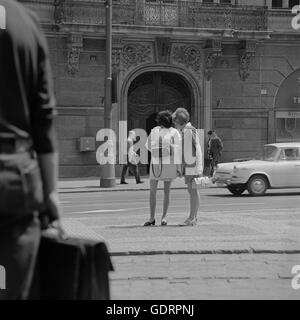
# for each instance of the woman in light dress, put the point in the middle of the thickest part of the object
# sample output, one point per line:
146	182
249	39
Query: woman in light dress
164	143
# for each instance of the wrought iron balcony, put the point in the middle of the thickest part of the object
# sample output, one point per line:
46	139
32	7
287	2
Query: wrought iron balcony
169	13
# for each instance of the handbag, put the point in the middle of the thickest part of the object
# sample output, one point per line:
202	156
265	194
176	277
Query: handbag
160	153
133	158
201	183
21	190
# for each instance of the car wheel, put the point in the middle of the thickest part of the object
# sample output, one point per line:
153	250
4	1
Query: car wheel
236	191
257	185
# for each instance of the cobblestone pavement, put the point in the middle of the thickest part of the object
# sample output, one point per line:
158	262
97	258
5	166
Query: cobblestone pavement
201	277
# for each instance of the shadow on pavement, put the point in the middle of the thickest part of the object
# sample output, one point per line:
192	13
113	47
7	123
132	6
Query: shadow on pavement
141	226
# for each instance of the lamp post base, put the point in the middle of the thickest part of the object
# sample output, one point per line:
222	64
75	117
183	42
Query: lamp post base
107	183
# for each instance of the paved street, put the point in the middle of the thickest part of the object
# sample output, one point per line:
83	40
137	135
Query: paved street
198	277
225	222
257	241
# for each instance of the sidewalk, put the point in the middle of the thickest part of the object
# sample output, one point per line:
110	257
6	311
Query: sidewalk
93	185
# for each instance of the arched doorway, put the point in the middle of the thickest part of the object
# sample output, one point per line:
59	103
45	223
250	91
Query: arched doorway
287	109
152	92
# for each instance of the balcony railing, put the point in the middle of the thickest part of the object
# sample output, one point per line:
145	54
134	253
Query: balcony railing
177	13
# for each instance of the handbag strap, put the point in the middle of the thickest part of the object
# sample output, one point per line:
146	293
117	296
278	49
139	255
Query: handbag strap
160	159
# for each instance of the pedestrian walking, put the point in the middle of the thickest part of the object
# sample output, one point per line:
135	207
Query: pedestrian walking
163	143
132	160
28	159
215	147
192	162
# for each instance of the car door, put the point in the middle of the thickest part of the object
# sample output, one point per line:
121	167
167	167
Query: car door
297	170
286	171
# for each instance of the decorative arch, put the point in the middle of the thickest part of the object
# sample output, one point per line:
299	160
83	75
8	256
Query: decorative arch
287	109
191	81
288	92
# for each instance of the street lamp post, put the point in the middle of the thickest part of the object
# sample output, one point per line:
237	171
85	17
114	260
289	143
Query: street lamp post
108	179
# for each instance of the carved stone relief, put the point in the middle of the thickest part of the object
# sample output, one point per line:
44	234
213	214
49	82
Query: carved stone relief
135	54
73	61
75	45
213	50
116	59
126	56
189	56
247	51
59	12
209	65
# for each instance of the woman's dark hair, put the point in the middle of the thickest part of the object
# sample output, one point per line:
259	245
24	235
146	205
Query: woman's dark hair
164	119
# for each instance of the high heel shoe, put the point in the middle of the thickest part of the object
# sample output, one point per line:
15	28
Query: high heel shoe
149	223
164	222
190	222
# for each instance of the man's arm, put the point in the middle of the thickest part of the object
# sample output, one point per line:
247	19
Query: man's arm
220	145
49	172
42	114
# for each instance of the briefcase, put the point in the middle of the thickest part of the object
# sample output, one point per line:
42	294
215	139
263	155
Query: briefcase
72	269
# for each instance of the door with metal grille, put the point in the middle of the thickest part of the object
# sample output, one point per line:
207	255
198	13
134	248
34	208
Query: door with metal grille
153	92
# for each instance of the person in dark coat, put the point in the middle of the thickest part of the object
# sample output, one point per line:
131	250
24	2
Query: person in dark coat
215	147
28	158
131	160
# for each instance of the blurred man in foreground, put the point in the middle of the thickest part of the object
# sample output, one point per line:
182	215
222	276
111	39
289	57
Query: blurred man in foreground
28	159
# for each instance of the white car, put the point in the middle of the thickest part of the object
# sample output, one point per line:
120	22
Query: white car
278	168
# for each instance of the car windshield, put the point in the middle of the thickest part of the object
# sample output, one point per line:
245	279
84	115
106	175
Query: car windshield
269	153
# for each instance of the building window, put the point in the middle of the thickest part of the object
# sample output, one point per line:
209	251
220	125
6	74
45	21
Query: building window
276	4
293	3
208	1
288	126
225	1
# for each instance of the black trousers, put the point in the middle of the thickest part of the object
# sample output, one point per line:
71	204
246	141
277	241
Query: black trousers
133	168
214	162
19	243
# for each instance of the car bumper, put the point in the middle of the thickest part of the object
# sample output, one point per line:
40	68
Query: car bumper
222	180
229	180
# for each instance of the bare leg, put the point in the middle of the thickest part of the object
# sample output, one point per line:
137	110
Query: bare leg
153	190
167	186
194	201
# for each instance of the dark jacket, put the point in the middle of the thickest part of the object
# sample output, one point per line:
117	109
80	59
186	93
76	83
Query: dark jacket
27	104
215	146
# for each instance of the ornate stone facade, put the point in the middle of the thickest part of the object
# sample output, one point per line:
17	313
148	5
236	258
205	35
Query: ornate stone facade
191	40
189	56
247	50
213	50
75	45
134	54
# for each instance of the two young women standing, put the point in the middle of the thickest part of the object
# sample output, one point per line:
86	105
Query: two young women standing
173	150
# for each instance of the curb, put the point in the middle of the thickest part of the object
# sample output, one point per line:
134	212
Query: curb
124	190
117	190
201	252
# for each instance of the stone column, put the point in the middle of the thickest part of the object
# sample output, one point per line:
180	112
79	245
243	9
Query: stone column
271	126
207	99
